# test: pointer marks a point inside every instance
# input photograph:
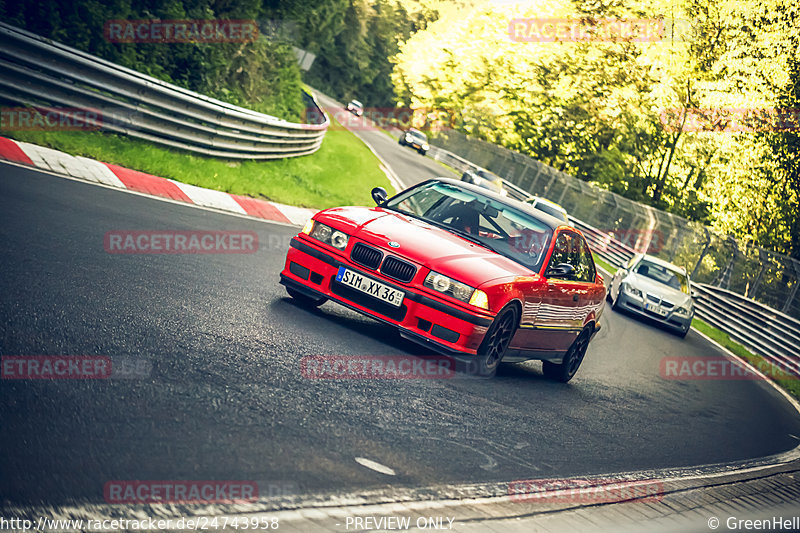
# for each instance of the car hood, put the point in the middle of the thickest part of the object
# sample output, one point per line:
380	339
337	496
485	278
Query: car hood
655	288
423	243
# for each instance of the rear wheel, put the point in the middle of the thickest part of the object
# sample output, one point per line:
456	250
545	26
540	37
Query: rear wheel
305	300
496	341
572	360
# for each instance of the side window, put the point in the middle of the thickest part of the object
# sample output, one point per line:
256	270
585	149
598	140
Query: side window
561	250
585	271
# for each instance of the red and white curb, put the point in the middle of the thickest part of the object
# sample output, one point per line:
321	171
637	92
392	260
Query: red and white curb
133	180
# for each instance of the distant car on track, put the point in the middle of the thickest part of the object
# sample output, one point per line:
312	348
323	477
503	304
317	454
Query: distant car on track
457	268
488	180
656	289
415	139
551	208
355	107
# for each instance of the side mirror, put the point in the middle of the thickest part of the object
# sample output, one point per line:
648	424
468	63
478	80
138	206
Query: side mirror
379	195
562	270
694	294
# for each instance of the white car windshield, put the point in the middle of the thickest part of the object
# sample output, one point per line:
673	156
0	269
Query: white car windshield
663	275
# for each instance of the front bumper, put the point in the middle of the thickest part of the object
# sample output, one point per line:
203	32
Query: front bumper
423	318
636	306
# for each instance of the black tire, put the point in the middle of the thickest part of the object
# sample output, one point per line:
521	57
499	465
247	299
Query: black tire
400	141
423	152
572	359
304	300
495	342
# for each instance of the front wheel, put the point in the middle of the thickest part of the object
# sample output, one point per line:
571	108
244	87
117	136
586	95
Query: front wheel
572	360
496	341
304	300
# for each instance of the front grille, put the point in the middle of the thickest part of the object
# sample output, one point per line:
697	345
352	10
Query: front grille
663	303
366	255
398	269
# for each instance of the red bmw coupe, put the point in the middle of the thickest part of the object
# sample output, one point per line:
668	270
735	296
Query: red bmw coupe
457	268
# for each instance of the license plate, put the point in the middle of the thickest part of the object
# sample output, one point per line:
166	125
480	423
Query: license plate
369	286
655	309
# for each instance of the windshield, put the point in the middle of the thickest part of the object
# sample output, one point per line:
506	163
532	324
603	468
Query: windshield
663	275
418	134
512	233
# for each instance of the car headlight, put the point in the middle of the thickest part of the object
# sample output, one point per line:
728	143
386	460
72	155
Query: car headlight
449	286
330	236
633	290
682	311
425	146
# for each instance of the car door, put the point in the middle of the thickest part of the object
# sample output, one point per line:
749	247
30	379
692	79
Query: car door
558	315
590	293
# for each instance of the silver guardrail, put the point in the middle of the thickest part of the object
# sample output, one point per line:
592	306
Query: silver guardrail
761	329
41	73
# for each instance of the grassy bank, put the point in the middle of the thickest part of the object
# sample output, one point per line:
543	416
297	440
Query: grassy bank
790	384
341	172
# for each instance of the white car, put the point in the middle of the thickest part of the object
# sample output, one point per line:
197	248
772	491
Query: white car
551	208
650	287
355	107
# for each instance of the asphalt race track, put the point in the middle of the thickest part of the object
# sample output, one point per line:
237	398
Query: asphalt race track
221	395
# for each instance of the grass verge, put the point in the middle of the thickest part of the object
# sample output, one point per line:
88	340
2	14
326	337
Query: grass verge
342	172
786	380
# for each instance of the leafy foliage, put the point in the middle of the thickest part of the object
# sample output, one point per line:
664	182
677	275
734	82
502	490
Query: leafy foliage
624	114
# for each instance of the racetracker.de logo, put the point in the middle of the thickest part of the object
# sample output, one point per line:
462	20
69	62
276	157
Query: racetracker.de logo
180	31
377	367
180	242
730	119
550	30
50	119
55	367
585	491
180	491
721	368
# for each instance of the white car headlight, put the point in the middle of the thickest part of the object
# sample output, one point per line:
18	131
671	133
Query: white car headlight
682	311
632	290
449	286
328	235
